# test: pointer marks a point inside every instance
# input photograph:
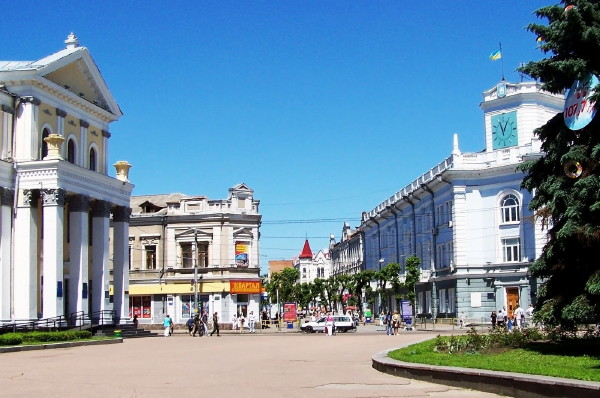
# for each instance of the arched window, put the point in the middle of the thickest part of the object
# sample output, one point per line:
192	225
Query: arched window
71	150
44	148
92	160
510	209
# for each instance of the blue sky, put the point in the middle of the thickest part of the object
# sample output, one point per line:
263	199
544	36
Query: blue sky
324	108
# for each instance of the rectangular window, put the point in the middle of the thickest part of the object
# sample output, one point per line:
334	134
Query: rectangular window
140	306
420	303
150	255
442	298
451	300
187	255
511	249
428	301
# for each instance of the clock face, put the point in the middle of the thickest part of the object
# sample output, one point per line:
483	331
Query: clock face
504	130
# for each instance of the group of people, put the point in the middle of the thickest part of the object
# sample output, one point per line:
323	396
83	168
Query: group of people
199	324
238	321
517	320
392	323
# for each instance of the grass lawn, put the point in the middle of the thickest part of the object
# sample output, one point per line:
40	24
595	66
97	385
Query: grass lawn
574	359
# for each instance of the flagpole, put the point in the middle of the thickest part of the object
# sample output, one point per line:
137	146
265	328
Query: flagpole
501	61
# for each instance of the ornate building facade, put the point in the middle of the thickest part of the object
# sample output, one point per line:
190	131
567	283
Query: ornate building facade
467	218
190	252
56	195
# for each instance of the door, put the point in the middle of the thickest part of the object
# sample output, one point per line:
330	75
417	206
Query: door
512	299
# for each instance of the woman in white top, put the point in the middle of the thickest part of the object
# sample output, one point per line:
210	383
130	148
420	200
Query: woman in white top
234	322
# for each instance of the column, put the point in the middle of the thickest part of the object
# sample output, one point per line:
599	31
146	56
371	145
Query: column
26	281
6	198
78	253
121	262
53	201
100	257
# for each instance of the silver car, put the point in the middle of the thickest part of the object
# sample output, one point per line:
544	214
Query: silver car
342	323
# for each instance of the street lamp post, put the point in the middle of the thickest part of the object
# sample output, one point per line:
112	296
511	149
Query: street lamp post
381	260
196	271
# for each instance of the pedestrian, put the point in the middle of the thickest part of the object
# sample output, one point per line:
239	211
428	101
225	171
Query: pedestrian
500	319
329	324
493	317
388	323
265	320
204	323
396	322
462	319
197	325
519	314
167	325
234	322
190	325
251	321
509	324
215	324
529	313
241	321
135	321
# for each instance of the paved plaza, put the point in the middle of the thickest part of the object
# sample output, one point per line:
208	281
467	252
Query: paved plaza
273	364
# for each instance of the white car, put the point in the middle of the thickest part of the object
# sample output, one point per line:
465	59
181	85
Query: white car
342	323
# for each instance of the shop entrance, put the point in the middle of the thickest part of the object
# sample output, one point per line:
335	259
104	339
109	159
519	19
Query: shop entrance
512	299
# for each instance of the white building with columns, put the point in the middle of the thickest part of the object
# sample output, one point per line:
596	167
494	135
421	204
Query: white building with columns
57	198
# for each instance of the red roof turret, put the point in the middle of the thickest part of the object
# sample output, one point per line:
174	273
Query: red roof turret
306	252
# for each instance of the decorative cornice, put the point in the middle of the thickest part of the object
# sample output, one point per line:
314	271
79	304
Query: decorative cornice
84	124
8	109
60	113
105	134
101	208
53	197
121	214
79	203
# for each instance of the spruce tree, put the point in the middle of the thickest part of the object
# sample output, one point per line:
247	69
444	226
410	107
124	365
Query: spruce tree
566	199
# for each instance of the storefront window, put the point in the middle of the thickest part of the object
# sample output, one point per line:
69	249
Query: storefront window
140	306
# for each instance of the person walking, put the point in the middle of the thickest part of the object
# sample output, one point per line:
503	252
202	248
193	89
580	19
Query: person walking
167	325
329	324
215	324
251	321
197	326
493	317
396	322
519	317
462	319
529	314
190	325
388	324
234	322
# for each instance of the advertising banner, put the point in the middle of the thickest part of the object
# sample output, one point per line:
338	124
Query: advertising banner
241	254
407	311
244	287
289	312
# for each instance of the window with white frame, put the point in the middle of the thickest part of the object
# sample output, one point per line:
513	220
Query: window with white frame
150	256
442	298
510	209
187	255
511	249
428	301
420	303
451	300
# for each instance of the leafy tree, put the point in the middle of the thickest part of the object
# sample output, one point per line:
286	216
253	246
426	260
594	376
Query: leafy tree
362	281
332	286
318	290
345	282
568	207
303	294
412	277
283	283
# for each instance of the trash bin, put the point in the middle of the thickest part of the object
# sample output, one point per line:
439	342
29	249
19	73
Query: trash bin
117	333
290	325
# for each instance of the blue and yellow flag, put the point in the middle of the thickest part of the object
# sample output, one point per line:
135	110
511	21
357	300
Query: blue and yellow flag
496	55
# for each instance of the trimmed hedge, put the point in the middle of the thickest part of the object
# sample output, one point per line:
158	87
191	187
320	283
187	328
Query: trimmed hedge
43	337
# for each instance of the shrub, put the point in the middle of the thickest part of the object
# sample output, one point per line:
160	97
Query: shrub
11	339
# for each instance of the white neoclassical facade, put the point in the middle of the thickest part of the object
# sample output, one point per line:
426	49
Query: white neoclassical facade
467	218
56	195
192	252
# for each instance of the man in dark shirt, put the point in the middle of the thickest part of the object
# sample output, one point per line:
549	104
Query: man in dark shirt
215	325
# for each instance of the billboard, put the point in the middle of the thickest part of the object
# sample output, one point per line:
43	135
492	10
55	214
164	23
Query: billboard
241	254
289	312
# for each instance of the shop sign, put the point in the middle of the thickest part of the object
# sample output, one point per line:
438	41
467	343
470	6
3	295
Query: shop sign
244	287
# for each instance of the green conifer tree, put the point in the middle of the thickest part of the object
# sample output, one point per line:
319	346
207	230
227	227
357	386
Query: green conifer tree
567	204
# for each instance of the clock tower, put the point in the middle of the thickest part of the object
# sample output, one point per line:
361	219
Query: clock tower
512	111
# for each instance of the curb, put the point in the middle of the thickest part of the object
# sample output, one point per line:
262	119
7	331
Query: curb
68	344
517	385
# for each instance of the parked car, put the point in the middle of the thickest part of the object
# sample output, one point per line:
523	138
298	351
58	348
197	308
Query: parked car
342	323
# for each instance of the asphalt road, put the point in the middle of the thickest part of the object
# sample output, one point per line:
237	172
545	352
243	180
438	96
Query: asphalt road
274	364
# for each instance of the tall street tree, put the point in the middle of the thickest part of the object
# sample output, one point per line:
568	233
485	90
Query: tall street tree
565	179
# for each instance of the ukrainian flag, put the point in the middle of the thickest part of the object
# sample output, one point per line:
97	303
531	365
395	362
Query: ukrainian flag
496	55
